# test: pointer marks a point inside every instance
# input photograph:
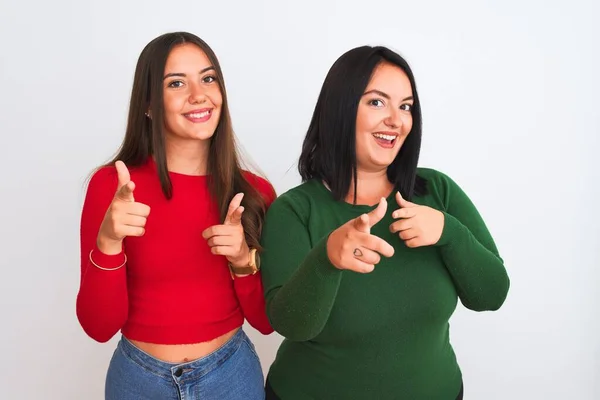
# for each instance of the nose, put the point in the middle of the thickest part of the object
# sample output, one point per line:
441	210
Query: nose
197	95
393	120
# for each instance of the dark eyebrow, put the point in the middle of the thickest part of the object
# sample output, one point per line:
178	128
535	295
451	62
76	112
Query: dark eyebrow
184	75
385	95
379	92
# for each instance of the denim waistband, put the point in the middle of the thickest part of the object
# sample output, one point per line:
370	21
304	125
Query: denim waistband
182	372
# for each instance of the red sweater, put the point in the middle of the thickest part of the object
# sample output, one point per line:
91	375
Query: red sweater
173	290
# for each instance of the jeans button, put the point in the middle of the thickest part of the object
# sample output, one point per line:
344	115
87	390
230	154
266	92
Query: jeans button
179	372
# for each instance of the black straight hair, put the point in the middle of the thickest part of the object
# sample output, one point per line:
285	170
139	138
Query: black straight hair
329	148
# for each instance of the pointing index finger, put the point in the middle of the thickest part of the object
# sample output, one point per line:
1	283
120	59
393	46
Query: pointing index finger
122	174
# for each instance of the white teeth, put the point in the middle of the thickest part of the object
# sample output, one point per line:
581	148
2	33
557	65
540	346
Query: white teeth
385	137
198	115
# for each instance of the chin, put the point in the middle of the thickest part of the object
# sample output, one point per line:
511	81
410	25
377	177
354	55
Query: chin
383	166
382	162
203	136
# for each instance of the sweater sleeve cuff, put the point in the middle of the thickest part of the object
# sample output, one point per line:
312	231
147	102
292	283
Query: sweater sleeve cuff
452	230
246	284
108	261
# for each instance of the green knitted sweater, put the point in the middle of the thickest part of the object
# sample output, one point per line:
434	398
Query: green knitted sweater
382	335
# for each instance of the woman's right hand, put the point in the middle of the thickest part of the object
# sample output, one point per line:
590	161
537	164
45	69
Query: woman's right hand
352	247
124	216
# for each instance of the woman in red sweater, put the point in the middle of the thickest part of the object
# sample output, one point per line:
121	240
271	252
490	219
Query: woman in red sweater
170	238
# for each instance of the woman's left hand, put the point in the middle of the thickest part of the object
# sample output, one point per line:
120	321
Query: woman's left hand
228	239
417	225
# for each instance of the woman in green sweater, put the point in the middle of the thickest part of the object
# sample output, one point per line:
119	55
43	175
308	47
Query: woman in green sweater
365	261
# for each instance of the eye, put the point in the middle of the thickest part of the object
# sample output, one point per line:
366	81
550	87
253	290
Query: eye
406	107
376	103
176	84
209	79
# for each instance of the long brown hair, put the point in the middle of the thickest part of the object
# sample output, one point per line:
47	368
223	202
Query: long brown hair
144	137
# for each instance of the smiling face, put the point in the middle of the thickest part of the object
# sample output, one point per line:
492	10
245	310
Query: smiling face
192	96
384	118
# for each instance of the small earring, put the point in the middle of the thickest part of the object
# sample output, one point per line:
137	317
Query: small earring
147	115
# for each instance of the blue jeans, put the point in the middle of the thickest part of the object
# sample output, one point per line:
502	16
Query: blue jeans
230	373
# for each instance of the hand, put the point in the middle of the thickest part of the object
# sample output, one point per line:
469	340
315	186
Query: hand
352	247
418	225
228	239
124	216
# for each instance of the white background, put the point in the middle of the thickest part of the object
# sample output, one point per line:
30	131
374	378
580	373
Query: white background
510	96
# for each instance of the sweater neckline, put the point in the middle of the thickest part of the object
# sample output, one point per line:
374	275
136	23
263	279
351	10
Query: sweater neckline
358	208
177	175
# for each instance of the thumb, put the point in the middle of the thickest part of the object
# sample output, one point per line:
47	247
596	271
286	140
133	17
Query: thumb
403	203
361	224
236	217
232	217
377	214
125	186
